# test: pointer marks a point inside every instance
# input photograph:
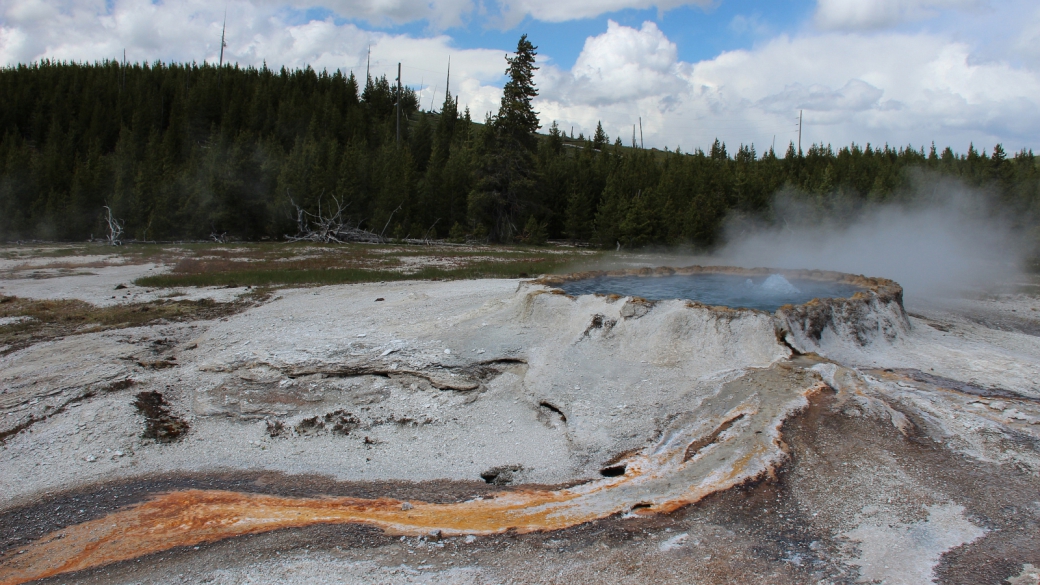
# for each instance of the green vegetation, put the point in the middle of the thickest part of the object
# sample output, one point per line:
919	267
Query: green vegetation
186	151
304	264
276	276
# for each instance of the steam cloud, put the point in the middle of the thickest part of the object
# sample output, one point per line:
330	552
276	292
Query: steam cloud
939	239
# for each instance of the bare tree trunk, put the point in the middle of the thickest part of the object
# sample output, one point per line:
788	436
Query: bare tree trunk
115	228
388	220
426	238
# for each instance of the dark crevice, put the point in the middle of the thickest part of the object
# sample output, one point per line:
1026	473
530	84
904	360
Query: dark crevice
553	408
781	338
469	377
465	383
613	471
703	442
495	361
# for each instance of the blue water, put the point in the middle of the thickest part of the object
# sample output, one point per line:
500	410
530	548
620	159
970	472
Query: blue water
767	293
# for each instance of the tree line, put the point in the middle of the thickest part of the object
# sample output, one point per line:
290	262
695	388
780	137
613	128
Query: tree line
185	151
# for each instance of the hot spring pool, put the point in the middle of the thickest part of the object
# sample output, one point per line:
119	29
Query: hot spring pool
767	292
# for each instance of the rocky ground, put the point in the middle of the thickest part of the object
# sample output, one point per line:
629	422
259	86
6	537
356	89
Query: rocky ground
668	442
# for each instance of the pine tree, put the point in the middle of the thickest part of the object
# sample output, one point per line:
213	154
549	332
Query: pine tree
534	232
600	138
507	176
517	121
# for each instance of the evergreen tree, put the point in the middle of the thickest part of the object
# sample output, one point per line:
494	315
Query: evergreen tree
600	138
517	121
507	175
534	232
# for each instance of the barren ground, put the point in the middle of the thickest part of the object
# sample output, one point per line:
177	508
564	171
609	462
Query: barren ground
489	431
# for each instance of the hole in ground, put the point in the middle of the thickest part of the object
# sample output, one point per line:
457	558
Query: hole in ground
613	470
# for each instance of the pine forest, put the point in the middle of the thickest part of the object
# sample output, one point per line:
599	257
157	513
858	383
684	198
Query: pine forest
186	151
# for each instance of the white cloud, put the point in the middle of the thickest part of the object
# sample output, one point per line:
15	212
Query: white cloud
752	24
1027	43
876	14
892	87
514	11
619	65
440	14
856	96
189	30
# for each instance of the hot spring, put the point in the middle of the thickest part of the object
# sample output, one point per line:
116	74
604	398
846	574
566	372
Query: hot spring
767	292
810	309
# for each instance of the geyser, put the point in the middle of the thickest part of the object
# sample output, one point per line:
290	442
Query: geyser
767	293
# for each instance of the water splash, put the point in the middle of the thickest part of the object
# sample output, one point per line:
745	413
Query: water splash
777	284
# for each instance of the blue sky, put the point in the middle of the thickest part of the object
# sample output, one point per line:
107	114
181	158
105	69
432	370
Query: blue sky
881	71
700	33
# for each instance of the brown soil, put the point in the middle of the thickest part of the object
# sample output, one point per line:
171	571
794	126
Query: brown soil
44	320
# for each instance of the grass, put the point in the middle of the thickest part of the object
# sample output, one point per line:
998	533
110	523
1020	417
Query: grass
300	264
51	319
311	264
323	276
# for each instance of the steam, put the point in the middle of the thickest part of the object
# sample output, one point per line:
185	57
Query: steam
939	239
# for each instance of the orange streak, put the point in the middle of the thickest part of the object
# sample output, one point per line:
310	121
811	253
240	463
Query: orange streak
659	480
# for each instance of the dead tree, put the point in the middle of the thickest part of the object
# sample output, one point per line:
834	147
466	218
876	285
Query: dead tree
328	226
388	221
115	228
426	236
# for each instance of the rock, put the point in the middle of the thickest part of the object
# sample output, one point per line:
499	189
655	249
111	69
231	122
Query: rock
634	310
406	506
502	475
434	535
